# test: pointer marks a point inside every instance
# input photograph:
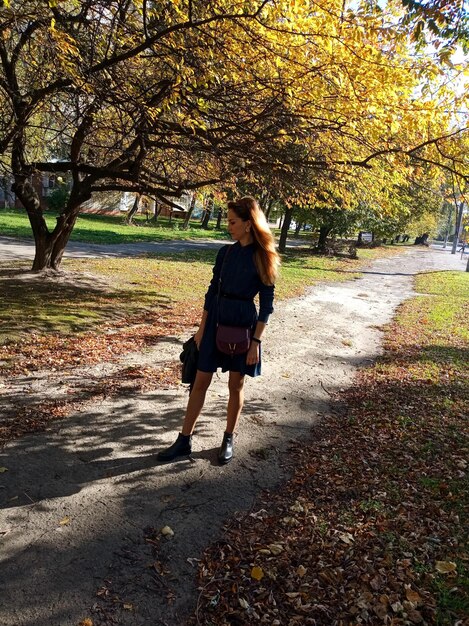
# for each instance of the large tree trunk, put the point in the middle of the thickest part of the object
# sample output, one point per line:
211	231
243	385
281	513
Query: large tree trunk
270	204
206	218
185	226
42	237
448	224
219	218
263	201
130	215
323	234
457	231
50	246
61	234
282	244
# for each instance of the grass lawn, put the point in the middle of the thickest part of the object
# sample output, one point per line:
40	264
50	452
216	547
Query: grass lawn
99	297
373	527
96	297
110	229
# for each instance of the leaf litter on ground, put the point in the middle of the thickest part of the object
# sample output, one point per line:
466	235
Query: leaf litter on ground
372	528
100	310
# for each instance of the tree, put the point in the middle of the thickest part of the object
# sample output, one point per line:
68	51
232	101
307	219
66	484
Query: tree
135	207
190	211
442	23
116	88
162	98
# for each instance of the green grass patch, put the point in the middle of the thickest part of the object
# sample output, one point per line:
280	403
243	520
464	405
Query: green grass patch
300	270
110	229
452	596
423	395
445	284
94	291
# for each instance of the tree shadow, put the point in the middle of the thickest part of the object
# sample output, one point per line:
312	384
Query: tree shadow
129	507
73	303
110	467
62	465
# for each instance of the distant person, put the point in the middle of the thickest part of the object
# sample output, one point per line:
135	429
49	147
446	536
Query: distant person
462	249
242	271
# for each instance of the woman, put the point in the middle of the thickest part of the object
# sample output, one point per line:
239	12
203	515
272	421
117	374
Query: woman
246	268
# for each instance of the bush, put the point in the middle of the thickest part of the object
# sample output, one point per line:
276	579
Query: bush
58	198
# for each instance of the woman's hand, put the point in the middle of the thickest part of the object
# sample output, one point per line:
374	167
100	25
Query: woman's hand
198	336
253	354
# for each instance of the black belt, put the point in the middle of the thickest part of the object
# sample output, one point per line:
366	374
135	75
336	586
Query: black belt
231	296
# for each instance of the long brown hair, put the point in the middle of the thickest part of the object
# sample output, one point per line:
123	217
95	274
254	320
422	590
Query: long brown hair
266	257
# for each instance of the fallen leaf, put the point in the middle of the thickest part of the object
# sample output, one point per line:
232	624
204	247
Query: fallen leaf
301	571
415	616
244	603
275	548
167	531
381	611
397	607
445	567
413	596
3	469
257	573
64	521
297	507
214	600
86	622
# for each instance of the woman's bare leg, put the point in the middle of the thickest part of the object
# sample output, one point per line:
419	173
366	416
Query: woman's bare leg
196	401
236	400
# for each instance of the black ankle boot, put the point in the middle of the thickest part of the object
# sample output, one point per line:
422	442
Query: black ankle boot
181	447
226	451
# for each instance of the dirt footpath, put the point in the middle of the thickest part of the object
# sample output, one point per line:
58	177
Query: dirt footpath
82	505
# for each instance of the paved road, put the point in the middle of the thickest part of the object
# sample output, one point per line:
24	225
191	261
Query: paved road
11	248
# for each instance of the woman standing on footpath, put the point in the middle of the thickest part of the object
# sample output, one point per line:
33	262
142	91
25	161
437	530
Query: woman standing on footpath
242	270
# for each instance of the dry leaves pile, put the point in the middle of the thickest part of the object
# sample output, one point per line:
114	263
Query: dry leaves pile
92	389
55	352
373	526
60	355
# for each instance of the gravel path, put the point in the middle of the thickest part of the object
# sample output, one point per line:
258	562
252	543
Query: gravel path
77	500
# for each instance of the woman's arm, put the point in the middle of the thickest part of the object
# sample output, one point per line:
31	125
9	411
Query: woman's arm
266	302
266	307
200	331
253	353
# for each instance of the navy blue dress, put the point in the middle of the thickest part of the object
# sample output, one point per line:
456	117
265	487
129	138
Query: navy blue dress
240	285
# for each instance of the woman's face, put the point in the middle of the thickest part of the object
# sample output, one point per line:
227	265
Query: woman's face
238	228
